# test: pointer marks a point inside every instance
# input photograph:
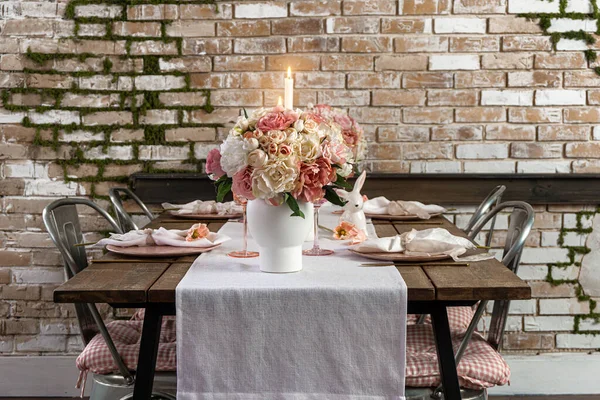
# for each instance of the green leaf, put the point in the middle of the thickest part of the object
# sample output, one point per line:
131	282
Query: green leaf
342	182
245	113
293	204
333	197
223	187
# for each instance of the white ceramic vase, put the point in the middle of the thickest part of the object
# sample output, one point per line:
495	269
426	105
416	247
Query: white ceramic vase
279	235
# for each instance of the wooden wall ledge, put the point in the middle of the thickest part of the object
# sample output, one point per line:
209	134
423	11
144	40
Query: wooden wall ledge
465	189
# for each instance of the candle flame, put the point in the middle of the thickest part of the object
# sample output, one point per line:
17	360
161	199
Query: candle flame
289	72
279	101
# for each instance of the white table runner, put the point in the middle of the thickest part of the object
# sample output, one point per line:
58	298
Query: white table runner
334	330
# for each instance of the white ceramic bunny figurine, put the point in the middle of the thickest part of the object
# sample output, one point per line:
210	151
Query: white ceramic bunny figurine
353	210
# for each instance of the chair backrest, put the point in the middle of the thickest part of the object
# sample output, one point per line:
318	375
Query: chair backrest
520	224
493	199
62	223
123	217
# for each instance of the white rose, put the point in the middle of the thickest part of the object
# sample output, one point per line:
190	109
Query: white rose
276	136
299	125
277	176
250	144
257	158
309	146
233	156
310	126
241	125
345	171
257	114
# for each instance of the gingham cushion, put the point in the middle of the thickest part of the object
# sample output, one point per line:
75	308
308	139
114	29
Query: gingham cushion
459	319
126	336
481	366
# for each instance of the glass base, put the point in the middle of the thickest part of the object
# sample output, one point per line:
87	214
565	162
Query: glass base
318	252
243	254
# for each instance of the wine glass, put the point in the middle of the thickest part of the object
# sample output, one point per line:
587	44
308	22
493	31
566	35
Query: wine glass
316	249
244	253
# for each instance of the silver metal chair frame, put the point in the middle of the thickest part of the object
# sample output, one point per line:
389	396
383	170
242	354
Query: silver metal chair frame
123	217
62	223
521	222
492	199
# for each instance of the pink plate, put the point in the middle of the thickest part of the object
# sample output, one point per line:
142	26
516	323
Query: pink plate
205	216
401	257
392	217
158	251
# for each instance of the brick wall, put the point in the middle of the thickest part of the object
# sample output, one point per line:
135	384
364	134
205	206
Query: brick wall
93	91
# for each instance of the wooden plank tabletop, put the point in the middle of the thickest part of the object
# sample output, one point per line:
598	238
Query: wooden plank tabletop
155	281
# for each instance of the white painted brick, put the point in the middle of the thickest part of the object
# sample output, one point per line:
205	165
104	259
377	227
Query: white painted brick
201	150
54	327
482	151
513	324
98	10
261	10
570	221
45	343
557	97
532	6
112	152
159	82
38	275
507	97
548	324
564	306
571	272
579	6
567	24
571	45
589	324
6	344
550	239
574	341
460	25
55	117
483	167
25	169
543	256
125	83
80	136
442	167
164	153
453	62
501	221
533	272
517	307
38	9
596	133
543	167
10	117
44	187
91	30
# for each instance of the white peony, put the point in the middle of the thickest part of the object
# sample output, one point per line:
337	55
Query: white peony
276	177
257	158
233	155
345	171
240	126
310	146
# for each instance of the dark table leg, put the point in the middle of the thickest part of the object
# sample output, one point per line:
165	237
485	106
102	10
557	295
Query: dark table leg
144	377
443	341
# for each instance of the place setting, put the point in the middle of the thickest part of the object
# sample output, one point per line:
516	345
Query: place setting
204	210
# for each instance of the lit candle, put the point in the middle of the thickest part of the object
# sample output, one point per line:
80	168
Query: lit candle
279	102
289	90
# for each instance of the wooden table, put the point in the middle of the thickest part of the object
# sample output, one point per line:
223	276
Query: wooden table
151	284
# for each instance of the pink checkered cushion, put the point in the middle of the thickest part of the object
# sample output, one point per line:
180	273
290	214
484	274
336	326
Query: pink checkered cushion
459	319
126	336
481	366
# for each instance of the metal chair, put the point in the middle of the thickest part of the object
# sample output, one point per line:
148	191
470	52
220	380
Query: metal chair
493	199
123	217
62	223
521	222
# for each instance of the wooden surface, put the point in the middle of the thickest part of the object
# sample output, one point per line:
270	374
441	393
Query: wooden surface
469	189
155	281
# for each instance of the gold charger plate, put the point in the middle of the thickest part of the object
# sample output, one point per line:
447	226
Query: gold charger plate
401	257
159	251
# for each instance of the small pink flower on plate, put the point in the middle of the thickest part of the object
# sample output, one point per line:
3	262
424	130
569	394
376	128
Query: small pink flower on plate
347	231
197	232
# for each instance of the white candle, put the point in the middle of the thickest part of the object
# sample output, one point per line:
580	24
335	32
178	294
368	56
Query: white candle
279	102
289	91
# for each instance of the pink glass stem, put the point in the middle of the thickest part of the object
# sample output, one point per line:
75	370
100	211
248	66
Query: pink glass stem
316	227
245	222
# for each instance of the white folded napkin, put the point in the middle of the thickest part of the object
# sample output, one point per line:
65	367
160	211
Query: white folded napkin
381	205
161	237
205	207
428	242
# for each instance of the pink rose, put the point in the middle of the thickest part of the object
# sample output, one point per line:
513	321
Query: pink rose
242	183
285	150
312	178
213	164
343	120
276	121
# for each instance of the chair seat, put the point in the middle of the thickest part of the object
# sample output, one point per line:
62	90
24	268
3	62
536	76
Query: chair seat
459	319
481	366
126	335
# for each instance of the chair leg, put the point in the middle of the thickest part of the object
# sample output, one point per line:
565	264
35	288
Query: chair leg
148	352
445	352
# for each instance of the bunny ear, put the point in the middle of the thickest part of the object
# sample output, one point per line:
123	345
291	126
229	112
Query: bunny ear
342	193
360	181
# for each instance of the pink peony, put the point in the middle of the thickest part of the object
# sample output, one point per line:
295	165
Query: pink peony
276	121
197	232
312	178
242	183
213	164
351	131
